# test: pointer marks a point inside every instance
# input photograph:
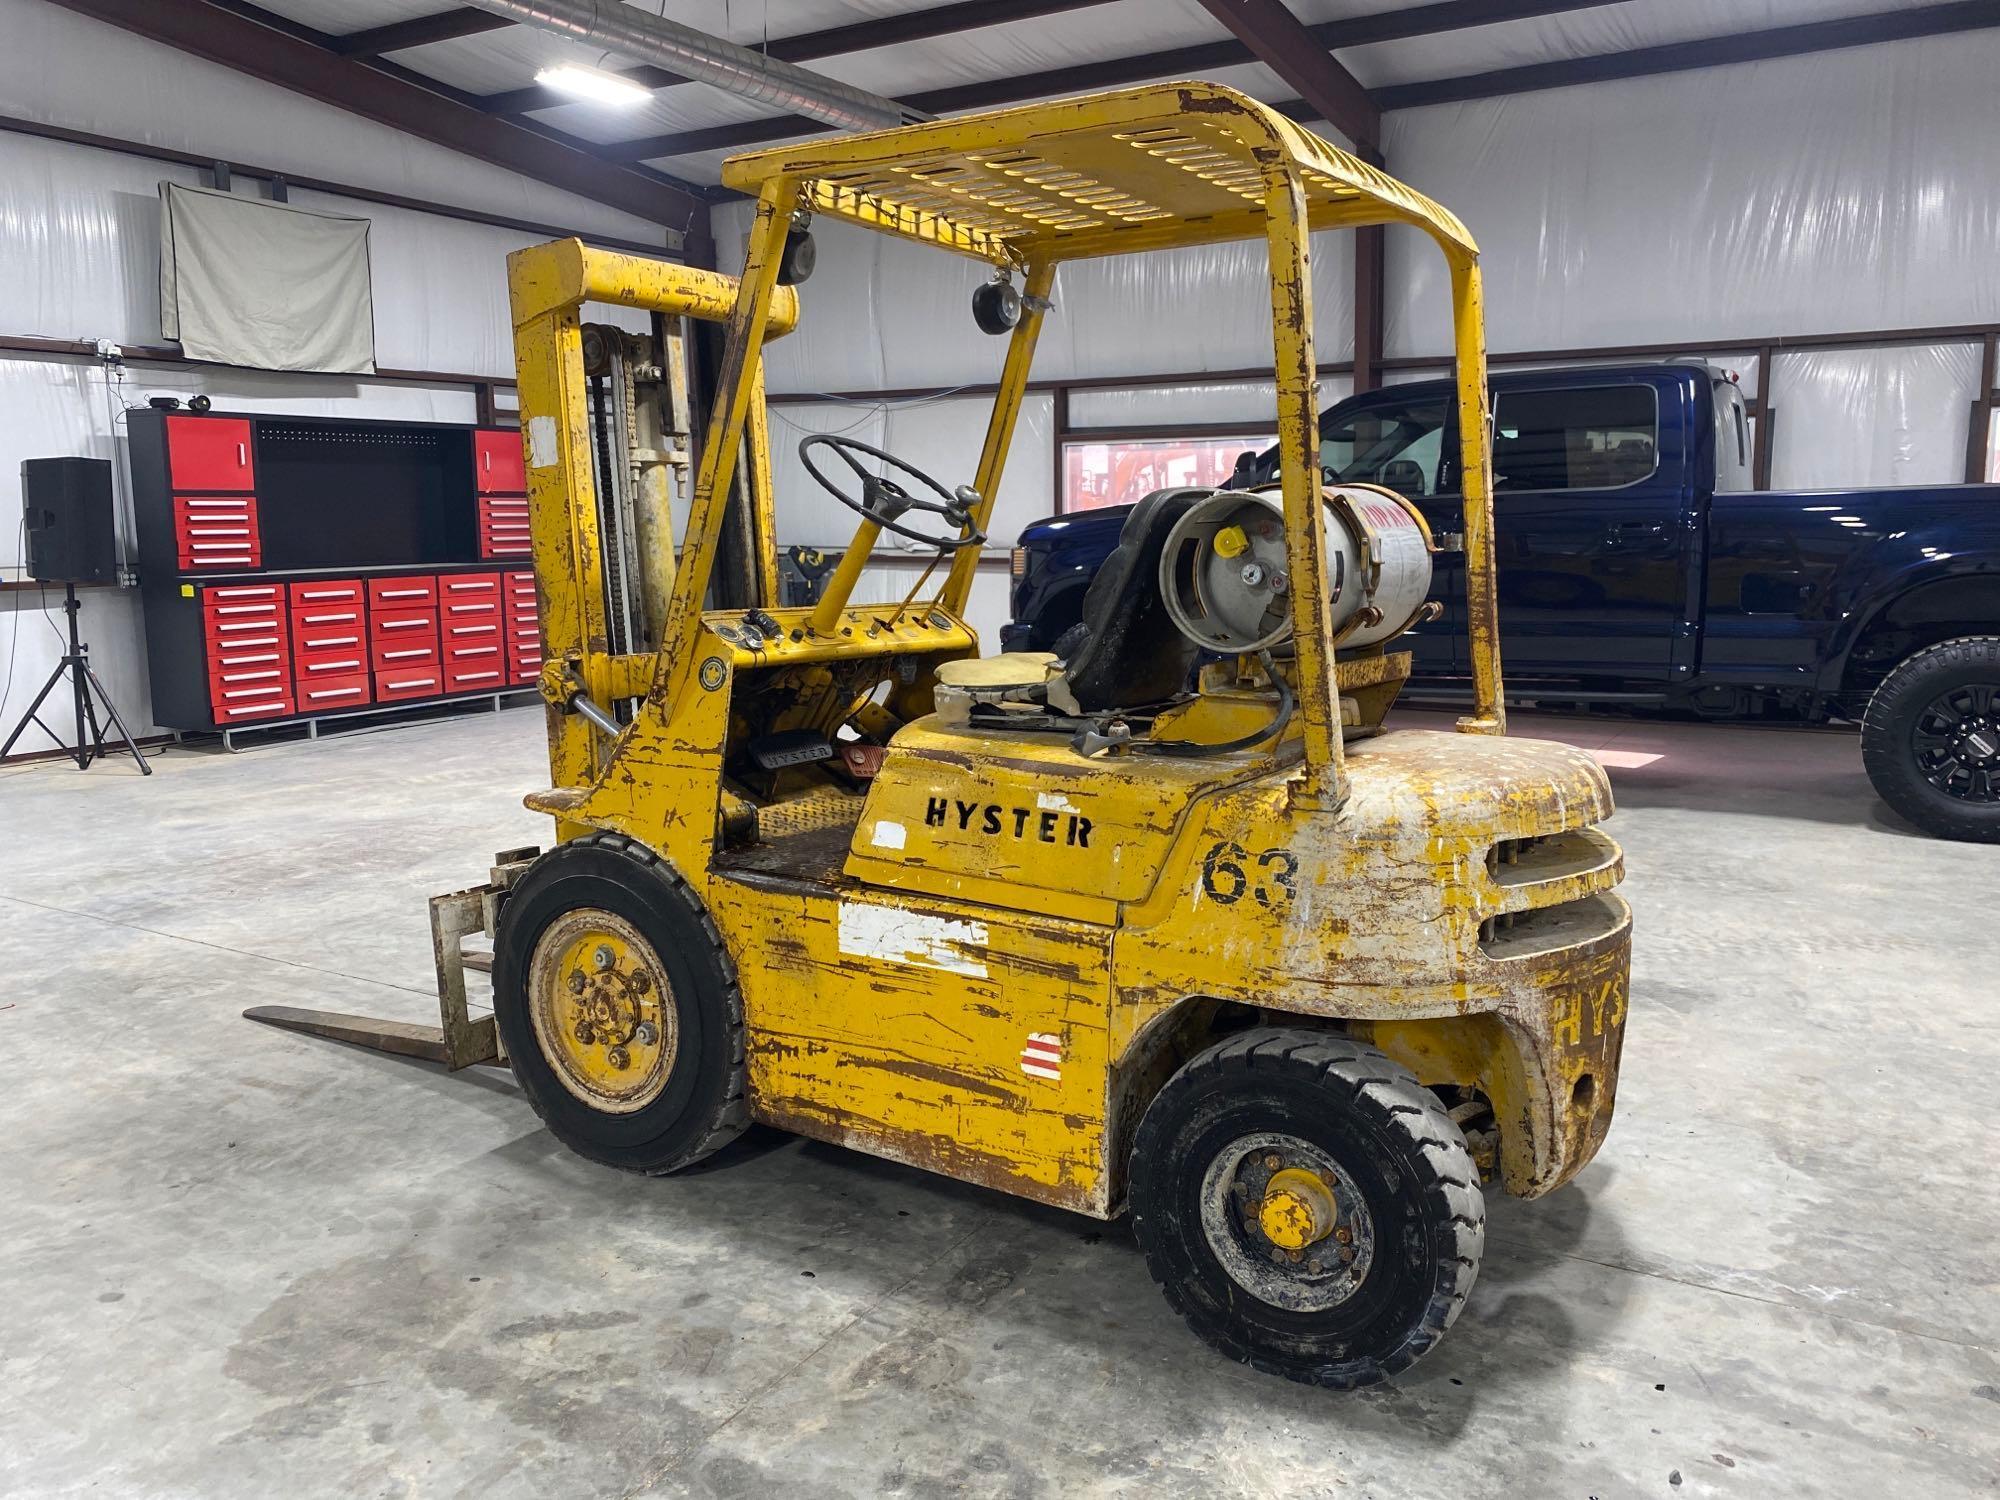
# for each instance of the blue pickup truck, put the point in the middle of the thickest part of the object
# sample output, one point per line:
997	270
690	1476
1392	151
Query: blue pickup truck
1637	565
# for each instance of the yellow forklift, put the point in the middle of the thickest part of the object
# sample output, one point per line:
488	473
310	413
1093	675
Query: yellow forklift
1168	924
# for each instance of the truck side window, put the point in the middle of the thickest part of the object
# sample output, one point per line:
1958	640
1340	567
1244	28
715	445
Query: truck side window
1397	447
1575	439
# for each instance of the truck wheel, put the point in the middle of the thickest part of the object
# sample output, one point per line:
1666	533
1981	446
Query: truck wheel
1307	1206
619	1007
1931	739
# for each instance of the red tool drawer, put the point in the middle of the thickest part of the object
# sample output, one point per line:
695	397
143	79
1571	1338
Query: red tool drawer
322	640
218	557
459	587
332	593
329	694
397	684
474	677
412	651
270	594
418	591
249	701
463	649
266	652
496	459
402	624
223	680
470	617
327	667
209	453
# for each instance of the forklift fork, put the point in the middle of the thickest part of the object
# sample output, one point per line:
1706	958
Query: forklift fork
458	1040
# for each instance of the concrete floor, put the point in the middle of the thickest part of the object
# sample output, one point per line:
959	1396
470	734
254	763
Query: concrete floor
237	1262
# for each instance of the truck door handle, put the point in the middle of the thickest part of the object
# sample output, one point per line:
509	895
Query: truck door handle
1619	533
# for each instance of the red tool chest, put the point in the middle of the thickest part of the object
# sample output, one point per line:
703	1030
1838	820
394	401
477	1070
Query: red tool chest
292	566
216	532
502	483
470	621
248	651
523	618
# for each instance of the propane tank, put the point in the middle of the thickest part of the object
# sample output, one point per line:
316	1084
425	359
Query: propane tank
1224	570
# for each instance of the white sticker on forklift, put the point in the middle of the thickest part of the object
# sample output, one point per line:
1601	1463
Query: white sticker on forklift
542	443
896	936
1042	1057
889	835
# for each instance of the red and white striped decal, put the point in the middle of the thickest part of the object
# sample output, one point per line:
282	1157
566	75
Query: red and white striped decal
1042	1057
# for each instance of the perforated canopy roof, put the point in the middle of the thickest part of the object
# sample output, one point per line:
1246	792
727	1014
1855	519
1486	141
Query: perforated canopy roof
1136	169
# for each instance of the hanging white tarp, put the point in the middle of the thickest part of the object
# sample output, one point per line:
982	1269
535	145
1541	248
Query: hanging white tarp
264	285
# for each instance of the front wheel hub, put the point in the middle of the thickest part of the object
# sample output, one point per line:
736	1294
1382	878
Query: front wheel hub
602	1010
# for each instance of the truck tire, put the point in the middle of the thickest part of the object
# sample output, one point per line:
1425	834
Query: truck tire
1341	1284
619	1007
1931	739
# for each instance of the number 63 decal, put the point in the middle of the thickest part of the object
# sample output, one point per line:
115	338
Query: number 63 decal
1269	877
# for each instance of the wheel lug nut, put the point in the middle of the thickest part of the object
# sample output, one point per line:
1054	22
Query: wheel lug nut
603	956
642	981
585	1033
645	1036
616	1057
1271	1161
576	982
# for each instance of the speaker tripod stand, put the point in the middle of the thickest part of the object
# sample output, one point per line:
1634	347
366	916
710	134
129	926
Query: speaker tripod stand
83	682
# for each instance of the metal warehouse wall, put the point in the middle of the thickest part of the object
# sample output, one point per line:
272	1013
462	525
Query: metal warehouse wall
79	259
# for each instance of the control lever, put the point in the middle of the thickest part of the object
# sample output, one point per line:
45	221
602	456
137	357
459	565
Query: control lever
1094	740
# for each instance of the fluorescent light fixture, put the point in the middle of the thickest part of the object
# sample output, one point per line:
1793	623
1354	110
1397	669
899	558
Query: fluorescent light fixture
593	84
1844	520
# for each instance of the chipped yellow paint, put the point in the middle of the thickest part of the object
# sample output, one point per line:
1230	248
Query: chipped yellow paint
991	970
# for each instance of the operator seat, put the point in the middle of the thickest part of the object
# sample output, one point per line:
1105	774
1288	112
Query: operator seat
1131	651
1125	653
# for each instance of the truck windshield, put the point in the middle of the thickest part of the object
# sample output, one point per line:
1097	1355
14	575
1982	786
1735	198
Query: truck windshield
1399	446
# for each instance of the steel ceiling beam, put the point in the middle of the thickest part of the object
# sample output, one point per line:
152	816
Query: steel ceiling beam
834	41
1193	60
1280	41
418	31
299	59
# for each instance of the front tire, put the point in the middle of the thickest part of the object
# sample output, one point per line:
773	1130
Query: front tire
619	1007
1931	739
1307	1206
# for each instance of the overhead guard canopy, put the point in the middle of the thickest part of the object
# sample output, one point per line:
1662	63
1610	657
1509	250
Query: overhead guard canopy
1164	164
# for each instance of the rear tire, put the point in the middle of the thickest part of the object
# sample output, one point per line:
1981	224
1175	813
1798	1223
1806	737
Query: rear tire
602	948
1930	740
1400	1186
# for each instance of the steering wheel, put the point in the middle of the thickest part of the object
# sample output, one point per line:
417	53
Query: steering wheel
882	500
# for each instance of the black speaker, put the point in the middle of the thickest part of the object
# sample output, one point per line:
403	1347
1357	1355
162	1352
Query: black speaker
67	502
